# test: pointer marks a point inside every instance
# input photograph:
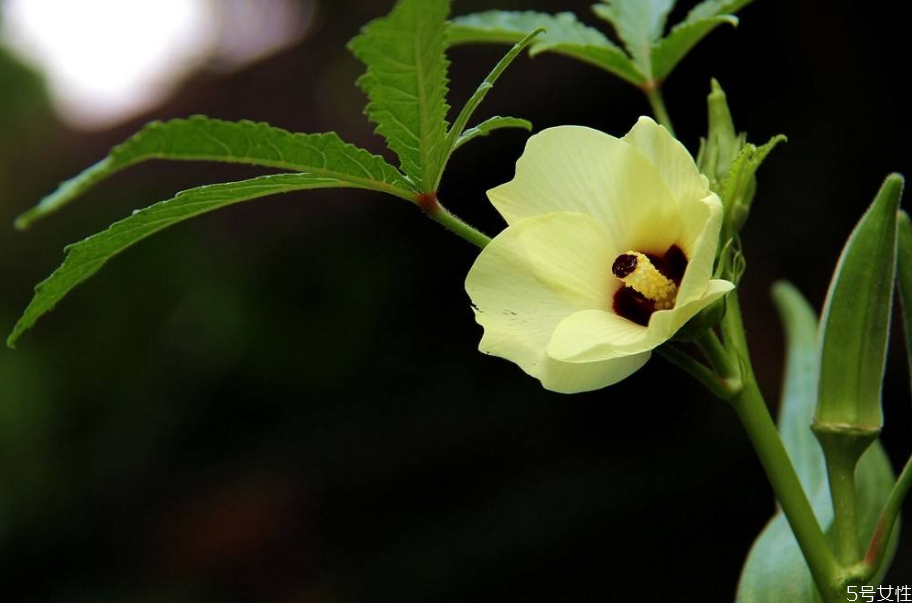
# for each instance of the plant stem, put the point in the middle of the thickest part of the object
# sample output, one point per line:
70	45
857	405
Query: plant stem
437	212
842	447
657	102
760	428
877	549
845	515
842	489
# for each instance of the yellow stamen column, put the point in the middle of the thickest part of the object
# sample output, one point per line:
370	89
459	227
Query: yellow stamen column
637	272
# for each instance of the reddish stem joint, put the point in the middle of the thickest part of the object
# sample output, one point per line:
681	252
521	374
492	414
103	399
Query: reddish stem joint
428	203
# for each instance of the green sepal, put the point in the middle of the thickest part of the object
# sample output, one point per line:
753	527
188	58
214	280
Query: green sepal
731	263
730	163
740	185
723	143
856	320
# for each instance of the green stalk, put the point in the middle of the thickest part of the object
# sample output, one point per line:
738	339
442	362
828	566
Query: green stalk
845	512
437	212
760	428
657	102
755	416
842	447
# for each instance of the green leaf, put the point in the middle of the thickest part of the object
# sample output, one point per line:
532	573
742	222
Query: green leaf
700	21
714	8
490	125
85	258
740	184
203	139
856	318
775	570
639	24
406	82
481	92
668	52
564	35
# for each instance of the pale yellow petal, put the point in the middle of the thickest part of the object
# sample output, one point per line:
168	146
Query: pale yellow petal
667	322
532	276
701	221
672	160
571	378
578	169
597	335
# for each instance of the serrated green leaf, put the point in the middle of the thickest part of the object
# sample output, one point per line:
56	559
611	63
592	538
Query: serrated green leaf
564	35
406	82
856	317
714	8
85	258
775	570
203	139
668	52
639	24
462	120
490	125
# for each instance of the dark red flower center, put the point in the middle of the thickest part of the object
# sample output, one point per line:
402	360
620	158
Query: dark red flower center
630	303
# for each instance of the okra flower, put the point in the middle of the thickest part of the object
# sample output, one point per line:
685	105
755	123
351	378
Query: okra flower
609	250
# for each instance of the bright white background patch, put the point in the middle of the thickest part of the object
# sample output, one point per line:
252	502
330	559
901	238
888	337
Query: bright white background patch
108	60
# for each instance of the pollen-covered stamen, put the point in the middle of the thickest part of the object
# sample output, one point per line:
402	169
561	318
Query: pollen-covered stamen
637	272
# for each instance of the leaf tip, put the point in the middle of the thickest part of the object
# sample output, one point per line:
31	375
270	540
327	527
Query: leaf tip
715	87
895	179
14	336
781	288
892	189
23	222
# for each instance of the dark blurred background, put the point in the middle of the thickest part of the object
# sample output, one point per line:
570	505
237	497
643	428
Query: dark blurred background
283	401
